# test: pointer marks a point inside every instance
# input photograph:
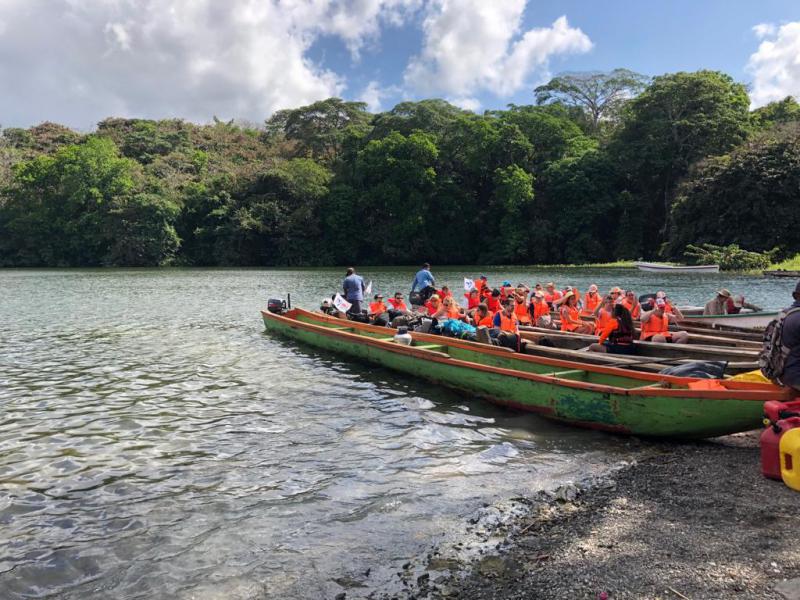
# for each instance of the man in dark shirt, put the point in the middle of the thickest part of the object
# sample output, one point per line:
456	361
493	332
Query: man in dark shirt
791	339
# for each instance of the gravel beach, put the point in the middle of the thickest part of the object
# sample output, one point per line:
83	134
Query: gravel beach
686	520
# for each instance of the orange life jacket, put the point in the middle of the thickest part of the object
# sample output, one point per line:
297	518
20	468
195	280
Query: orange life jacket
550	298
487	321
574	314
509	323
655	325
472	301
540	309
634	310
590	302
398	304
603	317
521	310
376	308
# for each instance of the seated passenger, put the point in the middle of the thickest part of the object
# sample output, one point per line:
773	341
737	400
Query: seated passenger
591	300
483	317
397	303
445	293
655	325
506	326
450	310
617	335
377	306
603	312
521	309
473	299
433	305
631	302
481	283
538	309
551	294
571	316
493	301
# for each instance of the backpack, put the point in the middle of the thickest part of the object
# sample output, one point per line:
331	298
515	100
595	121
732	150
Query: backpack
773	354
456	328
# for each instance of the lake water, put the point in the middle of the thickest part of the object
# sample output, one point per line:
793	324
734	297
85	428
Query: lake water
156	443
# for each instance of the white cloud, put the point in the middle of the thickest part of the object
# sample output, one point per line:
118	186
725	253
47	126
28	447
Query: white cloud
775	66
372	95
763	30
474	45
472	104
77	62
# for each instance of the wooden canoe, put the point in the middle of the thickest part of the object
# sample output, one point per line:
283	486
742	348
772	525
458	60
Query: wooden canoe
593	396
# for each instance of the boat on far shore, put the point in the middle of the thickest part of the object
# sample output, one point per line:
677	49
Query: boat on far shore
662	268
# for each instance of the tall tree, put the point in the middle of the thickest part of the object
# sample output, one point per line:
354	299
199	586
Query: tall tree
318	130
600	95
679	119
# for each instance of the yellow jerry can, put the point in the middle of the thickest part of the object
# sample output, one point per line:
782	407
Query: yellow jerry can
790	458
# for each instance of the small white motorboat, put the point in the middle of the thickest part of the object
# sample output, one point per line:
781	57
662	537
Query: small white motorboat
662	268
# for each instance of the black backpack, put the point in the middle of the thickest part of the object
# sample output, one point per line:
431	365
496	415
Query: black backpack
772	357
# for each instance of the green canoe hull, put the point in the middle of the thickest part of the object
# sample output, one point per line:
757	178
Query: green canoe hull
598	400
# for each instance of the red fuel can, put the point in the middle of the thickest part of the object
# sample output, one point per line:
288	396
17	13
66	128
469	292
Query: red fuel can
775	410
770	445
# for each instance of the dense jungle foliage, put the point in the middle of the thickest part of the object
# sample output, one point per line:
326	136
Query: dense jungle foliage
635	168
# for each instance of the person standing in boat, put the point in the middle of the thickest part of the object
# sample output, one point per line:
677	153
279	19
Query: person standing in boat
424	282
354	289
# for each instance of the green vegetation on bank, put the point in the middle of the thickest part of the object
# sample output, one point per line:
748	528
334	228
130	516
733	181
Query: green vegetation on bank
607	167
790	264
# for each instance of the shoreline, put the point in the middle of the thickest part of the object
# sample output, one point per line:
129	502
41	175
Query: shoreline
684	520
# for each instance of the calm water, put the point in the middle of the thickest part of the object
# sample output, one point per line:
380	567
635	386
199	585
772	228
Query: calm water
156	443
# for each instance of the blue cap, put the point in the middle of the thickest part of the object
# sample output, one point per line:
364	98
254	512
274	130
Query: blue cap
506	283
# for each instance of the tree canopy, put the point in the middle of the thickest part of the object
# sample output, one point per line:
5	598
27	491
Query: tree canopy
605	166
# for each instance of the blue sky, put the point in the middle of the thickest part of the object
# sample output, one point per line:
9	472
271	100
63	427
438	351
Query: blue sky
77	62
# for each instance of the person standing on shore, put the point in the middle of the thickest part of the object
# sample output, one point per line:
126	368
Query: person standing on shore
790	340
424	282
354	288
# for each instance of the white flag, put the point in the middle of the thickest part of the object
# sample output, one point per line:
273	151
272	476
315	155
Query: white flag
341	304
368	289
469	285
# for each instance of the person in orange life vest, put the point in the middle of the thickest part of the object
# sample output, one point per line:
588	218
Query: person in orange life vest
669	308
433	304
493	301
632	304
591	300
454	311
480	283
397	303
377	307
617	335
578	298
445	292
521	309
506	326
506	290
655	325
603	314
482	317
616	294
551	294
571	316
538	307
473	299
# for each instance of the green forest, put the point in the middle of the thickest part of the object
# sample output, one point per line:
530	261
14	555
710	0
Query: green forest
599	167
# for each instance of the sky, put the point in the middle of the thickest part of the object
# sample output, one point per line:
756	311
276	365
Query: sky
77	62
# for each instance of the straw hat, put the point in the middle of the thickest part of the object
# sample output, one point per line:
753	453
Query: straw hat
724	292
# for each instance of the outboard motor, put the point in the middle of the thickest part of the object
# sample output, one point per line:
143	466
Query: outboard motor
277	306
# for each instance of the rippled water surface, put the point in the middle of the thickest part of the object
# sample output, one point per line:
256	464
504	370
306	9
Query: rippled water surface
156	443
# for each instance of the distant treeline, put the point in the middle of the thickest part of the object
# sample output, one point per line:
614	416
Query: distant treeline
604	166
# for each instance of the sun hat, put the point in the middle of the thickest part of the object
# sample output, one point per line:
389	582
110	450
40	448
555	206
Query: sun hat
593	288
724	292
326	302
616	290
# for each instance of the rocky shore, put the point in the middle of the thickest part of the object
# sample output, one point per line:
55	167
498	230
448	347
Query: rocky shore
686	520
